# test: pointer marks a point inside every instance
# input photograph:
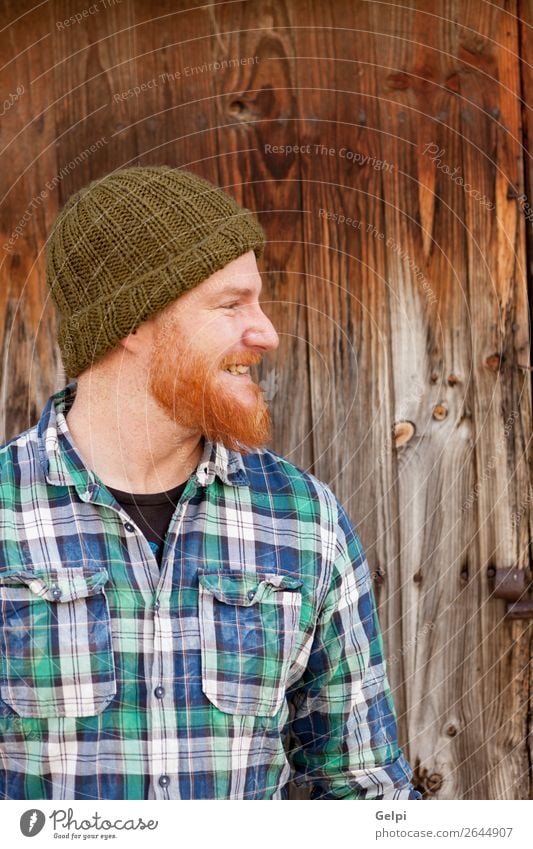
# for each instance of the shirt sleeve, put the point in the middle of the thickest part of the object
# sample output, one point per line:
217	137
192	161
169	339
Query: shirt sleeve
343	729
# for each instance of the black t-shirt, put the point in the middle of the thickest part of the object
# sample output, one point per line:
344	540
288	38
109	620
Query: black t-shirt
151	513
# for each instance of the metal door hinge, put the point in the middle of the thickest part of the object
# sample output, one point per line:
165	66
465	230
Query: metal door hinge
511	585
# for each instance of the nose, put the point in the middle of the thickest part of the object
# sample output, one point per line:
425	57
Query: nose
261	333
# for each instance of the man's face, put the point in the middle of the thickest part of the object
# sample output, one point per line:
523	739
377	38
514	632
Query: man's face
204	344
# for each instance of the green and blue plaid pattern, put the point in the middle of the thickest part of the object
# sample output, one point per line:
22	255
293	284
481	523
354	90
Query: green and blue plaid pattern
252	657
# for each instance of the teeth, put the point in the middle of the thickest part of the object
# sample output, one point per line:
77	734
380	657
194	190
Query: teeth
238	369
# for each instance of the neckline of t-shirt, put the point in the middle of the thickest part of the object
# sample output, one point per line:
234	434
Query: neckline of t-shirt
148	497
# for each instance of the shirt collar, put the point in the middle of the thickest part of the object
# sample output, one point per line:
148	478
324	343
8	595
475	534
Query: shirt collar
63	466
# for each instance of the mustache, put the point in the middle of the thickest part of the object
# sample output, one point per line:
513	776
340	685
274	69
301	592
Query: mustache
247	358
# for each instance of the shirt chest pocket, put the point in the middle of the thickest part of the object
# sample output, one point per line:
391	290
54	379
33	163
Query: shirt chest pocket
248	630
57	657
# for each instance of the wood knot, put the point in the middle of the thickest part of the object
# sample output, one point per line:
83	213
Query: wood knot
424	781
417	577
474	56
495	362
403	432
400	80
453	379
453	83
440	411
434	782
240	110
451	730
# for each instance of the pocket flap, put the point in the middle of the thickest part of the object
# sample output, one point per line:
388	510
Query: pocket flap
245	588
65	584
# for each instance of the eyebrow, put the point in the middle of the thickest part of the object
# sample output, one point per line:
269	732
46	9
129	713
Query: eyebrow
235	291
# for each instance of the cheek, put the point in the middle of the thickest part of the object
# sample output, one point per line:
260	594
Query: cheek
203	338
222	338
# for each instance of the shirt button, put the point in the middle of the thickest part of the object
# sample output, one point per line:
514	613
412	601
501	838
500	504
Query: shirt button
129	526
56	593
251	594
164	780
159	692
157	605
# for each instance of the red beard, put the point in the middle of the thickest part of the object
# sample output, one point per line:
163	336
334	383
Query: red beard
200	396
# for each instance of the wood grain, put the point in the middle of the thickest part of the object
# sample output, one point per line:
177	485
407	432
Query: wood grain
449	108
396	274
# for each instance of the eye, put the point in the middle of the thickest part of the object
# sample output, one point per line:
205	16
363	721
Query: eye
231	306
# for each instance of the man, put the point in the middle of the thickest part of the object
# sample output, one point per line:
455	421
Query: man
185	615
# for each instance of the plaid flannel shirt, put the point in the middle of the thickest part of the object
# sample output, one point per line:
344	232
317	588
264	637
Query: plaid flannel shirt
252	657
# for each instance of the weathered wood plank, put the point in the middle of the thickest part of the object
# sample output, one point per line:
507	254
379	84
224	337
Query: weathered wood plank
429	344
491	152
460	475
523	518
175	116
344	182
257	112
29	202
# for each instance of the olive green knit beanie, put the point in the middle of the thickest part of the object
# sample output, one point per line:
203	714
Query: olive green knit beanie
127	245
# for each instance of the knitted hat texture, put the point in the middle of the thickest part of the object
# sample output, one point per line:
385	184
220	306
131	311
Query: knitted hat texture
127	245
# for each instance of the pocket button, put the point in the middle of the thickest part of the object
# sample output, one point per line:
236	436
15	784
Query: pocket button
251	594
56	593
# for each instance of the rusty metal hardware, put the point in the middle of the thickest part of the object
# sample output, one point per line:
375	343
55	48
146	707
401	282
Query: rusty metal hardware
520	609
510	584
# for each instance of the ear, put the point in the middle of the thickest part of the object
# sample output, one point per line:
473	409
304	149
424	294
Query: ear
141	337
130	342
